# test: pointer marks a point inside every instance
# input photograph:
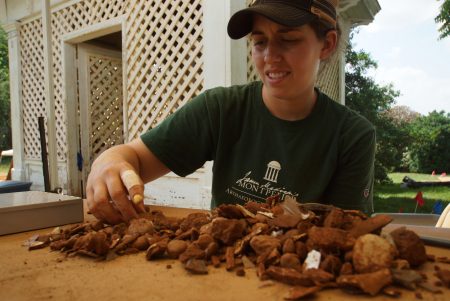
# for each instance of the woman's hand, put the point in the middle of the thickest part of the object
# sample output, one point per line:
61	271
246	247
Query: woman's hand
115	186
108	196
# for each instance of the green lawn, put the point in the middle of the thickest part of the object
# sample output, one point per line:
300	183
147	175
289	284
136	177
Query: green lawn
393	198
4	165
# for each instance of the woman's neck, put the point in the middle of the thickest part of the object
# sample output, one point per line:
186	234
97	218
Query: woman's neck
291	109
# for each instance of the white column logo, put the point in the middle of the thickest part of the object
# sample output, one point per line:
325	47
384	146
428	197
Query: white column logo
273	169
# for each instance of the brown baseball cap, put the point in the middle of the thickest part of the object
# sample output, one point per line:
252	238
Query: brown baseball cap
290	13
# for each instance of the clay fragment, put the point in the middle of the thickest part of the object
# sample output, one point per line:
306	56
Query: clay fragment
254	207
229	258
370	225
192	252
370	283
263	244
140	226
288	276
228	230
288	246
194	220
285	221
211	249
331	264
329	239
157	249
229	211
196	266
290	260
334	219
175	247
301	250
300	292
409	246
141	243
203	241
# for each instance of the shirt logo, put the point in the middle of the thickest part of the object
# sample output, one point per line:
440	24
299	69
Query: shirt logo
272	171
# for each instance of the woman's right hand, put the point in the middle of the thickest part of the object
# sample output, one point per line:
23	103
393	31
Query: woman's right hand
117	176
108	197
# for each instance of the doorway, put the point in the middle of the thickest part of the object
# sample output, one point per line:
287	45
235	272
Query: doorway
100	87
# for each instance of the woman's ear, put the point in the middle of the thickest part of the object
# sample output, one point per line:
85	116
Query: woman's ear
329	45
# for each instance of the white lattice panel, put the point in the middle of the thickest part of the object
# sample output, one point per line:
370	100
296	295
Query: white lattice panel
164	59
31	51
106	104
64	19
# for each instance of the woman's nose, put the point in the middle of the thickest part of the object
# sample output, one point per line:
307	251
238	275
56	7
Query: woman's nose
272	53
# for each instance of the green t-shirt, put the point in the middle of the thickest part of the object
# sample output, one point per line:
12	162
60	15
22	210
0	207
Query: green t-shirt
326	157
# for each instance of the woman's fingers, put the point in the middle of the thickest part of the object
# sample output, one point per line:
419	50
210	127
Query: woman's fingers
134	185
99	205
119	197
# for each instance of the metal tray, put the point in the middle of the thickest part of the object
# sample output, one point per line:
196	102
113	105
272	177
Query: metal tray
30	210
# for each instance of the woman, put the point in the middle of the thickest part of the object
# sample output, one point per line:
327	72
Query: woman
280	136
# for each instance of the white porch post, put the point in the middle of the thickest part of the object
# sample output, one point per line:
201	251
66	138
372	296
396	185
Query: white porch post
49	95
15	84
225	59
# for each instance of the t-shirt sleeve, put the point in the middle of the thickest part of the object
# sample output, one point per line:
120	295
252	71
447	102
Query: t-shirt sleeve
351	186
184	141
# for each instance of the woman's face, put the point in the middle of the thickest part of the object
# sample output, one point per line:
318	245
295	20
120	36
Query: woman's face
286	58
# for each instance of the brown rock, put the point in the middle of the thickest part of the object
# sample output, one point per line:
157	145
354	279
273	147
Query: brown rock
372	253
228	230
331	264
196	266
140	226
370	225
334	219
329	239
370	283
290	260
409	246
192	252
263	244
176	247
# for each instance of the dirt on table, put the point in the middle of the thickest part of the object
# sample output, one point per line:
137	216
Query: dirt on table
308	247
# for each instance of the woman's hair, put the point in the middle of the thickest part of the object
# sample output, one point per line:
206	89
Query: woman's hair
320	28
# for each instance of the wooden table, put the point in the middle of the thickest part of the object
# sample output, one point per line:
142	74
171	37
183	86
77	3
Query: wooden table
46	275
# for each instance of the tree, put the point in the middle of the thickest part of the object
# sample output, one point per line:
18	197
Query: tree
5	119
402	115
372	101
429	150
444	19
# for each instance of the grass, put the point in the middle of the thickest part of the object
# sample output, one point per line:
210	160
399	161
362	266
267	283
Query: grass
393	198
4	165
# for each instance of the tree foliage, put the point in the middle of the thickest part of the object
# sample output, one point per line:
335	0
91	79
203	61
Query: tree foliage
5	119
444	19
430	147
372	101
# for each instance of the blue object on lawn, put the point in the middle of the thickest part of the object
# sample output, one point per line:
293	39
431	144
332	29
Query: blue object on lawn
14	186
438	207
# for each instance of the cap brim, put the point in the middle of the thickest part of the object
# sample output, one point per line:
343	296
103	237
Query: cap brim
241	22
